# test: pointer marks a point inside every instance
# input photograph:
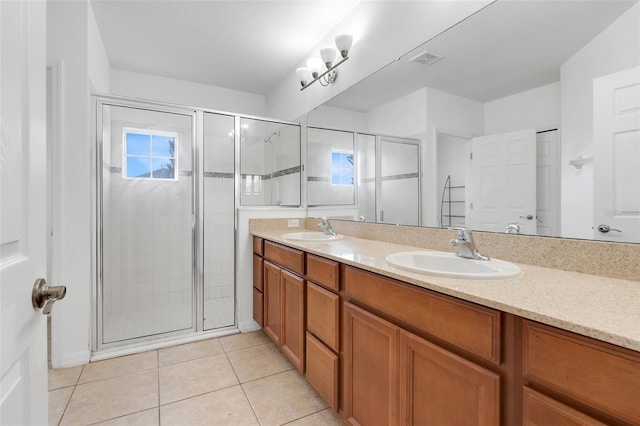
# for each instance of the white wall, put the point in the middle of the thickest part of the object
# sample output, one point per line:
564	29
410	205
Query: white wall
337	118
98	61
615	49
404	117
383	31
68	42
454	116
537	108
453	161
151	87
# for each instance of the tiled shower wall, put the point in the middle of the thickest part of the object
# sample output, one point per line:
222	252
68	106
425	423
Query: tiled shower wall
219	221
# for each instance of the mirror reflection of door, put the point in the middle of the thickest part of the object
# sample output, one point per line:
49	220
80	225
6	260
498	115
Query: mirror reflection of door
548	183
399	181
616	99
503	182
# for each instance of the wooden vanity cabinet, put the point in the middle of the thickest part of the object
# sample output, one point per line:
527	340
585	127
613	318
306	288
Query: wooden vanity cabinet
384	352
323	327
578	375
393	376
284	301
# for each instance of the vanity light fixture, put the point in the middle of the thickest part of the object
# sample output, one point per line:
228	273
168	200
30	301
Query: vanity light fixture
323	68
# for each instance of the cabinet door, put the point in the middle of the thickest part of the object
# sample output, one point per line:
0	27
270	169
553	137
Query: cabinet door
323	315
370	368
322	370
258	306
292	339
539	410
439	388
272	302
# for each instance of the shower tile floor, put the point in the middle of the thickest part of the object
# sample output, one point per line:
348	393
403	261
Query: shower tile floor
233	380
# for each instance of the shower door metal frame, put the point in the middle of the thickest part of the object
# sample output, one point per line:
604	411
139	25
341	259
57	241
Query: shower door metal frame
197	143
98	102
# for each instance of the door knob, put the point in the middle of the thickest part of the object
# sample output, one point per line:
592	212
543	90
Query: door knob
528	217
43	295
604	228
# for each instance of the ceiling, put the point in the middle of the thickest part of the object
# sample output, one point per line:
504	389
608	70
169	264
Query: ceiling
508	47
243	45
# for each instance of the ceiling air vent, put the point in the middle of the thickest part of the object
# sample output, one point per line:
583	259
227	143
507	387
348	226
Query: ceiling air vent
426	58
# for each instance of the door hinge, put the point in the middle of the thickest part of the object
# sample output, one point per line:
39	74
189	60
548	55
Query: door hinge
471	156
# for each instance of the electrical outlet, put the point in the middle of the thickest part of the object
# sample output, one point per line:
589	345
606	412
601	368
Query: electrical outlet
293	223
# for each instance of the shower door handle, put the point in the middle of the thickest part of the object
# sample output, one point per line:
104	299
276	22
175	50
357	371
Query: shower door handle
381	215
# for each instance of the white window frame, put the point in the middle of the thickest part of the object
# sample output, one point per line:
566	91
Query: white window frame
151	133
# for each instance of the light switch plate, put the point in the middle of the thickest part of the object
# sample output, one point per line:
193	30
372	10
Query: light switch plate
293	223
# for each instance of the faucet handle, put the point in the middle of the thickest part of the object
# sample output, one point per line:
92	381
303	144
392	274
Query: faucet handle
464	233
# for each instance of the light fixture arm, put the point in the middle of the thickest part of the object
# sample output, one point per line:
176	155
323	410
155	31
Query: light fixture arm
332	69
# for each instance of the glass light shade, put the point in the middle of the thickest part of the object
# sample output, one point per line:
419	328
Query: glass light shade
315	66
343	43
328	55
304	75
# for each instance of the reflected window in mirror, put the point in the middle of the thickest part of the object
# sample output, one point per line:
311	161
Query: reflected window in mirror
330	167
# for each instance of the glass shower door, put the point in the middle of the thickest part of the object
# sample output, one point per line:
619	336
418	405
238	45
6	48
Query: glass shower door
399	177
146	210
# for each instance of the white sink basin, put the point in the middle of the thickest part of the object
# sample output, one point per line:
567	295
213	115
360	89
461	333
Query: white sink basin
449	265
310	236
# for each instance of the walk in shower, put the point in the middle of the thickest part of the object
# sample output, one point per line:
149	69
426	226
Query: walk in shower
166	185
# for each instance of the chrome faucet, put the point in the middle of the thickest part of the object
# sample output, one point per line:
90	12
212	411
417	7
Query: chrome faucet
466	245
326	226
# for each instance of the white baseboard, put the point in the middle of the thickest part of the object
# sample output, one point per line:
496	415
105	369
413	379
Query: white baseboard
247	326
73	359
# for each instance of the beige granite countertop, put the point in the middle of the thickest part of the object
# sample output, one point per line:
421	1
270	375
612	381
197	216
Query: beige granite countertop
606	309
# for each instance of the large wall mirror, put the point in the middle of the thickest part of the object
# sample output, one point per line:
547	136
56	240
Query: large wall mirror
527	116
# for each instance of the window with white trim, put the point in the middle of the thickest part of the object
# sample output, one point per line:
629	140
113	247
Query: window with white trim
149	154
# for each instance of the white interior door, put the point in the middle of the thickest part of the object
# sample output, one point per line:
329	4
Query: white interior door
23	339
548	183
503	182
616	175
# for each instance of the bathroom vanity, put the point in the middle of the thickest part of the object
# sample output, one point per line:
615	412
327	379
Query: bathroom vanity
385	346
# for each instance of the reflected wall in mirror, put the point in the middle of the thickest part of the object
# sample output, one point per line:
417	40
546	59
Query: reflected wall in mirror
269	163
330	169
528	114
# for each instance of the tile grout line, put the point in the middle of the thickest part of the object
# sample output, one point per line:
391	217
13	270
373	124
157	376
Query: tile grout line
70	396
242	387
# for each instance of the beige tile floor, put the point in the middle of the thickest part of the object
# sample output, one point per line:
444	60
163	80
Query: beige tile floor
233	380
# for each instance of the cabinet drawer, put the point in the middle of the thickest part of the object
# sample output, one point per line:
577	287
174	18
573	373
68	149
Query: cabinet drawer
258	304
323	315
539	410
289	258
322	370
323	271
599	375
257	245
257	271
471	327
